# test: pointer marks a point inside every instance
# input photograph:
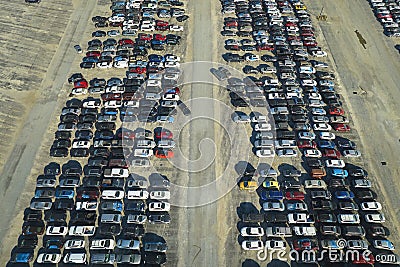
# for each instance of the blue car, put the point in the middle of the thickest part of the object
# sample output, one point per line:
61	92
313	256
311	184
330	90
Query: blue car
90	59
23	257
326	144
65	193
156	58
157	42
337	172
110	111
344	195
271	194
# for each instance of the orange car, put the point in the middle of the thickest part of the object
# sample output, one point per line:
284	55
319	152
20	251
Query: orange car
164	153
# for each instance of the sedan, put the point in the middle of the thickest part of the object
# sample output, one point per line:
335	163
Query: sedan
344	195
252	231
351	153
376	206
252	245
286	153
312	153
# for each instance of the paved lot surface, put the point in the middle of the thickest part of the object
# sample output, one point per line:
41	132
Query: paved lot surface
51	64
372	74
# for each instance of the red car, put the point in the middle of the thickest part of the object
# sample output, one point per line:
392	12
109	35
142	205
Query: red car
231	23
164	134
161	23
88	194
125	41
120	163
305	244
115	24
331	153
232	47
307	33
173	90
306	144
145	36
140	70
310	43
164	153
290	24
292	37
370	259
294	195
111	96
336	111
93	54
159	37
265	47
340	127
81	84
384	16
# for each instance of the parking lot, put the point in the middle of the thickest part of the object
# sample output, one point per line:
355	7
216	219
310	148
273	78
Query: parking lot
210	235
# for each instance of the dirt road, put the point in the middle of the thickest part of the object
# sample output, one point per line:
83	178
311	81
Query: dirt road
371	91
18	166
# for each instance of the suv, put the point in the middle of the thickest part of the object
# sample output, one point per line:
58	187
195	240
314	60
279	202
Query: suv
102	258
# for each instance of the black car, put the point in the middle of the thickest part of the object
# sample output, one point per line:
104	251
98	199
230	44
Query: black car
33	215
64	204
155	258
87	65
101	152
182	18
83	218
91	182
111	229
61	143
103	126
75	77
101	24
62	135
135	205
134	230
28	241
59	216
99	34
59	152
84	135
79	152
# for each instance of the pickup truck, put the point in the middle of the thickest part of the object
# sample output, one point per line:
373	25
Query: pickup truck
253	217
284	143
278	231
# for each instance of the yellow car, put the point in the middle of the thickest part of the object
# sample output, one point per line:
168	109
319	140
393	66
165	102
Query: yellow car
300	7
271	185
248	185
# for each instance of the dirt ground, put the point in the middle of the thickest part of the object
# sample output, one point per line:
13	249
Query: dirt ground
207	235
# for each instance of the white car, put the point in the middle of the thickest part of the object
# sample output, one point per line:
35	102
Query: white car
172	64
276	244
273	206
371	205
305	231
160	195
172	58
72	257
144	143
348	218
48	258
86	205
113	104
312	153
318	111
74	244
262	127
315	184
175	28
137	194
335	163
121	64
322	127
169	96
265	153
306	135
375	218
56	230
143	153
104	65
112	194
81	144
316	103
327	136
252	231
252	245
166	144
362	183
351	153
79	91
102	244
91	104
159	206
82	230
319	53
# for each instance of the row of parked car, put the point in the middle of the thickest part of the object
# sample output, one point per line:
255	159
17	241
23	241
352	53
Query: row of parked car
135	18
387	13
333	200
97	214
